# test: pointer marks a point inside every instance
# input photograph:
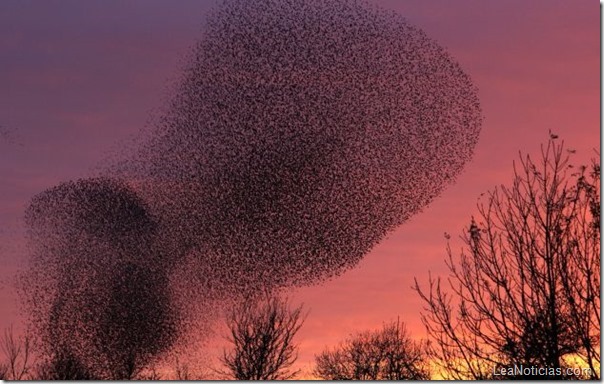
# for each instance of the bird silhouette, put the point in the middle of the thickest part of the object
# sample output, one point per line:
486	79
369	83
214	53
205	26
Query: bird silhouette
552	135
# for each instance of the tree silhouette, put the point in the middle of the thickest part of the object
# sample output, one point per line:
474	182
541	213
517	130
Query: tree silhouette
18	354
64	366
386	354
262	335
526	285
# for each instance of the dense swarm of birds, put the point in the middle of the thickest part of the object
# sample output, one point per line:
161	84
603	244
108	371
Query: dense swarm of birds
99	287
300	134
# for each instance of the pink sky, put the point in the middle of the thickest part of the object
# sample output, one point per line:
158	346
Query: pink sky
78	78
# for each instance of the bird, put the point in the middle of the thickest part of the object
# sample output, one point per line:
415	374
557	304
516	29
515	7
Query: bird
552	136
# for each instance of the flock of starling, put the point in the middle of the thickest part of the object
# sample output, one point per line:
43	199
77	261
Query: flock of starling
299	135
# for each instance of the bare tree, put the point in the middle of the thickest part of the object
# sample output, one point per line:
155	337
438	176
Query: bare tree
386	354
262	335
63	366
181	371
18	353
526	285
186	371
150	374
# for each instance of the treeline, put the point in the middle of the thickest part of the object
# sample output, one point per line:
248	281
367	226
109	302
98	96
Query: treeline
524	292
522	300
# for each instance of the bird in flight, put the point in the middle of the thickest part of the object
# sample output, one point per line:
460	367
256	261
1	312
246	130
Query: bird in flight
552	136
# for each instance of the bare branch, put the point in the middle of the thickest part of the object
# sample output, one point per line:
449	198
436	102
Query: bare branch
526	286
386	354
262	335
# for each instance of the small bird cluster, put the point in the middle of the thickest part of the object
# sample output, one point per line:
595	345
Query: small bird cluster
300	134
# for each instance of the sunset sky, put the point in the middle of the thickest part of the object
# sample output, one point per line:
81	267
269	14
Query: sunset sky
80	78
